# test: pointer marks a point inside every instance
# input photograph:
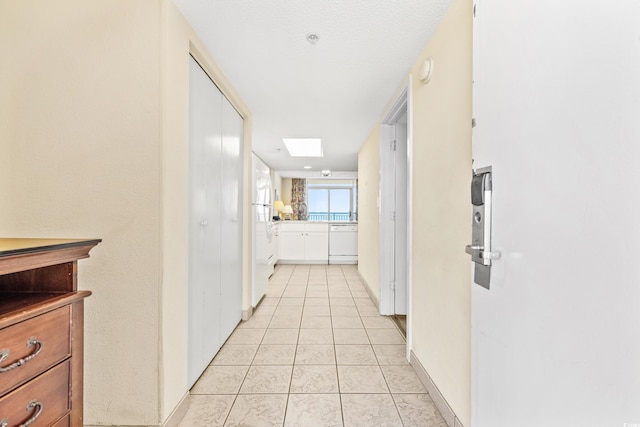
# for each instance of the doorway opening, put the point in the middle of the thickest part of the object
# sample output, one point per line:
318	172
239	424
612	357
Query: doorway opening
395	210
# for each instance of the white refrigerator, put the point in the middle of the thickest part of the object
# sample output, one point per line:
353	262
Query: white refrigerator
261	206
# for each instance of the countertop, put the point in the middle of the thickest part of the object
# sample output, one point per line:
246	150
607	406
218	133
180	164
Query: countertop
317	222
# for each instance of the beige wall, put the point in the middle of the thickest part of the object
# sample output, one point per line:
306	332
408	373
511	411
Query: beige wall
81	158
368	212
174	322
441	300
286	191
94	143
441	130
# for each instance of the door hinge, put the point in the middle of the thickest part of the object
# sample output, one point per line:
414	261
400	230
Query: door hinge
393	145
393	285
473	122
393	216
474	10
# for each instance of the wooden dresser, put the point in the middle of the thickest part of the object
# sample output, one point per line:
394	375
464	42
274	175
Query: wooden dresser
41	332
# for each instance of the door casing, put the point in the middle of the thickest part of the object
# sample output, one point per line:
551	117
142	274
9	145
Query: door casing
388	209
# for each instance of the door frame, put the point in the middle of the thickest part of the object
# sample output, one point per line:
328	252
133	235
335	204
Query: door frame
401	105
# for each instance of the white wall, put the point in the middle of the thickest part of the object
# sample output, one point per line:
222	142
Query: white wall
557	102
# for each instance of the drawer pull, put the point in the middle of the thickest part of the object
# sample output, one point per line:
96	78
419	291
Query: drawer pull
4	354
33	404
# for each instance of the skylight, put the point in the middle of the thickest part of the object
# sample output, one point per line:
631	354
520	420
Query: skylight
303	147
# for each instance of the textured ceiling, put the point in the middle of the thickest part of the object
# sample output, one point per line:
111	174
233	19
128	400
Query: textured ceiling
336	89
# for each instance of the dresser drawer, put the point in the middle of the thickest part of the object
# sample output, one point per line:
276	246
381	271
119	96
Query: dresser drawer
64	422
41	342
43	400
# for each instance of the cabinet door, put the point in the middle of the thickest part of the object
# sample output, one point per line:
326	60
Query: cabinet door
317	246
292	245
275	244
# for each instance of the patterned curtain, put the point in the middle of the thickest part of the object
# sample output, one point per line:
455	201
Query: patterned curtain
299	198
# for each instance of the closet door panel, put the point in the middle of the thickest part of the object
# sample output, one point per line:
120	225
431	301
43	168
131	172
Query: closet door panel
204	235
212	299
231	208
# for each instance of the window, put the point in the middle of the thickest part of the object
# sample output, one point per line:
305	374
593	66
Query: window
331	200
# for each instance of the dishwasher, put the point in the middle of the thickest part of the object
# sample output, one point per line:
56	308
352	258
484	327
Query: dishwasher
343	244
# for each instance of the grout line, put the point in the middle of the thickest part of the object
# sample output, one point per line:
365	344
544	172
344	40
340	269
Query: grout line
307	270
231	407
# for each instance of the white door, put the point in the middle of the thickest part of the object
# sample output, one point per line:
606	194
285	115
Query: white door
556	339
205	102
231	221
394	209
400	266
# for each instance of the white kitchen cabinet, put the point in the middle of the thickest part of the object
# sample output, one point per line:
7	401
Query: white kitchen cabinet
317	246
291	245
275	242
303	243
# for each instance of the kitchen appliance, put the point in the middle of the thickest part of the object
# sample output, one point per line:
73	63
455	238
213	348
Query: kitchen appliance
262	249
343	244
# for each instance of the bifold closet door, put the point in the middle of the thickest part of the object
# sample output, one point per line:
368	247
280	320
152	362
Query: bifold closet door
205	184
232	184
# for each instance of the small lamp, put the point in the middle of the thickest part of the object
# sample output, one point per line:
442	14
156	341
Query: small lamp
287	212
278	206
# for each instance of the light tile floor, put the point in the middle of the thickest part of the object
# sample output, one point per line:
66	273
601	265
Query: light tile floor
315	353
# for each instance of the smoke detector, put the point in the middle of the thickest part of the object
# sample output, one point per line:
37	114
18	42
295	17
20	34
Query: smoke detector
313	38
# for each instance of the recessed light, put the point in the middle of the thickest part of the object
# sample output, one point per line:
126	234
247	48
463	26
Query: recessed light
303	147
326	172
307	167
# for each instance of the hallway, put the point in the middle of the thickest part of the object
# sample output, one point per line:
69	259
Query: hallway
315	353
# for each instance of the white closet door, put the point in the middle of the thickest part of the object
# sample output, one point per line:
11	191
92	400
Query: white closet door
205	136
231	222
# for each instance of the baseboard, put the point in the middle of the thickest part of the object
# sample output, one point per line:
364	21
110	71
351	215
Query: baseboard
246	314
178	413
302	261
172	421
369	291
441	403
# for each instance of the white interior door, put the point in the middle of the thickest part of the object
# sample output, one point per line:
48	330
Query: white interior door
394	210
205	133
555	340
231	221
401	273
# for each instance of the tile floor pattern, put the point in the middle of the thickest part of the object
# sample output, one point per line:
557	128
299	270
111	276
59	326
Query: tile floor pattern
315	353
